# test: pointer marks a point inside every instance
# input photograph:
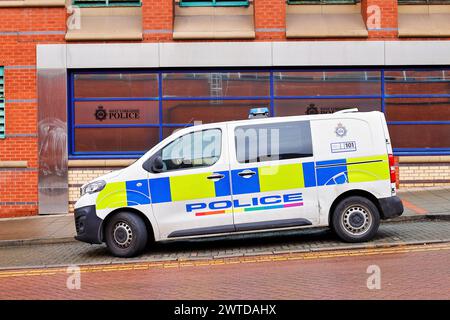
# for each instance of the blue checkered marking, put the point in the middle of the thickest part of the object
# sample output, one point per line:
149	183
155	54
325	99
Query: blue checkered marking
137	192
222	186
242	185
333	172
309	174
160	190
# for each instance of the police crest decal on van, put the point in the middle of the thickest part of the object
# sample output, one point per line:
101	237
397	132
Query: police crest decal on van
340	130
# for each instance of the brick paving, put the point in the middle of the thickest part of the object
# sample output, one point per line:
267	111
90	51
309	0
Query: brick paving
61	228
406	274
307	240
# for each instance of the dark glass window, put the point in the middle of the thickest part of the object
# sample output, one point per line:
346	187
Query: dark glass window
417	82
329	83
271	142
124	85
116	112
415	109
216	84
298	107
115	140
189	111
193	150
420	136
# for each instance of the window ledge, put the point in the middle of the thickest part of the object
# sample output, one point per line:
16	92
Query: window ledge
107	163
214	23
424	159
33	3
325	21
424	21
13	164
108	23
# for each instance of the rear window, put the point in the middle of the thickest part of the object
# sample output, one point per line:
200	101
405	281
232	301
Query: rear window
272	142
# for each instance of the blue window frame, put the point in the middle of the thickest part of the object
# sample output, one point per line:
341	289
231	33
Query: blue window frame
157	102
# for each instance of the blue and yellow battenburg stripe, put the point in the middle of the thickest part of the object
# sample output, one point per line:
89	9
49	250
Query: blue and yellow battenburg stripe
268	178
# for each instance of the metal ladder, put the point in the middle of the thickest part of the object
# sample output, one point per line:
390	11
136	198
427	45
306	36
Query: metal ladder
216	88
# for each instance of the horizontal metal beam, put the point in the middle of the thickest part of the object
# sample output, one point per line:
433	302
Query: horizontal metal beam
244	54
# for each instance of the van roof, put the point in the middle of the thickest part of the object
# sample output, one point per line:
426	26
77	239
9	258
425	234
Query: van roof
348	114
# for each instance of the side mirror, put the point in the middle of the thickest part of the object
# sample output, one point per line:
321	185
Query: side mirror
158	164
154	164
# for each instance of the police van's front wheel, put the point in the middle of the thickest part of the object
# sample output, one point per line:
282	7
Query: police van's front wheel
125	235
356	219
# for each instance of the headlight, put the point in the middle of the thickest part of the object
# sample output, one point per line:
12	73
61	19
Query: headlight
92	187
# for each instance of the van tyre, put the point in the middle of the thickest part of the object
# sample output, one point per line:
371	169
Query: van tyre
126	235
356	219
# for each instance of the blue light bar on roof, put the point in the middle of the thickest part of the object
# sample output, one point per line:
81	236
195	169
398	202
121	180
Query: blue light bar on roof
258	113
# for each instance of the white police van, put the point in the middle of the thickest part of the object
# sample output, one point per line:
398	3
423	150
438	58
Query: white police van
260	174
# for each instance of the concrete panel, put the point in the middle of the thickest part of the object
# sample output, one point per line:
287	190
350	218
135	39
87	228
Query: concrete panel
417	53
328	53
51	56
117	55
215	54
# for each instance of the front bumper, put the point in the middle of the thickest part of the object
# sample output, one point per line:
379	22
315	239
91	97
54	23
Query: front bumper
391	207
88	225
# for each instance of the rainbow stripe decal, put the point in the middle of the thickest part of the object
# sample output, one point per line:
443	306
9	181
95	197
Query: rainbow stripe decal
281	206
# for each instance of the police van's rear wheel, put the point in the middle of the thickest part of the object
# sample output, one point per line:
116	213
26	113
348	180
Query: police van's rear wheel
356	219
125	235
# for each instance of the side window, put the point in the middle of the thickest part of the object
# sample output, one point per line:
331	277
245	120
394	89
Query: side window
271	142
193	150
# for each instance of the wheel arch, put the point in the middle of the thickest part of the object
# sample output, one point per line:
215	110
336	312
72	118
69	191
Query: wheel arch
140	214
354	192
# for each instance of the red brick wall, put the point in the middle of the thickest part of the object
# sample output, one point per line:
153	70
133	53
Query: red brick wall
381	18
270	22
20	30
157	20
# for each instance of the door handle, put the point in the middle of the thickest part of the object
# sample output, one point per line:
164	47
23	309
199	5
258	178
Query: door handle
216	176
246	173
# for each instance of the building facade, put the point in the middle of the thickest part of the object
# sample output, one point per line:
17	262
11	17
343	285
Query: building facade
87	86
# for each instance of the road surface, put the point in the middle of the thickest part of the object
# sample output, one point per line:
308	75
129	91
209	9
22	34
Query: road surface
404	272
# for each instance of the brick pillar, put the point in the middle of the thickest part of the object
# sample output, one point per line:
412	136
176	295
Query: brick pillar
380	17
157	19
270	19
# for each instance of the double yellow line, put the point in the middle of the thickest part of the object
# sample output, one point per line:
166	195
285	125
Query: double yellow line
228	261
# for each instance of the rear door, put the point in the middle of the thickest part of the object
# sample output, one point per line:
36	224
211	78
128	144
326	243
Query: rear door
272	175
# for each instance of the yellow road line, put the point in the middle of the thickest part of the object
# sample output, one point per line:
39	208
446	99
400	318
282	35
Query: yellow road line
232	260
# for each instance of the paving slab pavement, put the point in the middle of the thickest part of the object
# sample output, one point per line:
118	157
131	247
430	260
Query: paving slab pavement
245	246
418	203
38	229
